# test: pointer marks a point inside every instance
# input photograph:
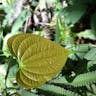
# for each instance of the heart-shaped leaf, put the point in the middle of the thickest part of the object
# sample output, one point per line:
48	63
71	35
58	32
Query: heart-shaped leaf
39	59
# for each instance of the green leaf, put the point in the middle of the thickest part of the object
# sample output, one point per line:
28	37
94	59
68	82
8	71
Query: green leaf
79	80
87	34
52	90
58	31
15	45
33	39
2	76
9	10
5	48
91	55
20	20
73	13
26	93
1	38
78	51
17	41
10	41
91	63
39	59
13	70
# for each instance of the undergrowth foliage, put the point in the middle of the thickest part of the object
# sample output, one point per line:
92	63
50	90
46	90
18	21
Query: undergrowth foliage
71	24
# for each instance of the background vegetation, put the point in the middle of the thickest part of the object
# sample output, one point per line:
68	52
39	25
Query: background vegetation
71	23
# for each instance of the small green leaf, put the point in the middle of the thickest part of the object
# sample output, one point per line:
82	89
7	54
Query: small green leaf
20	20
87	34
58	31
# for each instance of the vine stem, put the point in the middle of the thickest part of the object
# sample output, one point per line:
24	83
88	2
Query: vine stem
9	65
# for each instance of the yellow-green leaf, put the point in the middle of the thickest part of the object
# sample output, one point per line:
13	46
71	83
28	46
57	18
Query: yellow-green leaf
17	41
9	43
26	43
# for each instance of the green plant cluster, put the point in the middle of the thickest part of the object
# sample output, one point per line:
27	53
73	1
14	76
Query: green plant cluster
74	24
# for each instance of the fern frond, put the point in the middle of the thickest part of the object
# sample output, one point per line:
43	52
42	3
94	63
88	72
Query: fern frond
52	90
79	81
91	55
91	64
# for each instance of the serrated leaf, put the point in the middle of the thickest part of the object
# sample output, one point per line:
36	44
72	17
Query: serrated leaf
52	90
91	63
80	50
79	80
39	59
91	55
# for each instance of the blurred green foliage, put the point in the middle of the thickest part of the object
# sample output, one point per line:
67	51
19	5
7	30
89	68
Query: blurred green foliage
73	24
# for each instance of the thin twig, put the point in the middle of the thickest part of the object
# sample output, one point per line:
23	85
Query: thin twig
9	65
